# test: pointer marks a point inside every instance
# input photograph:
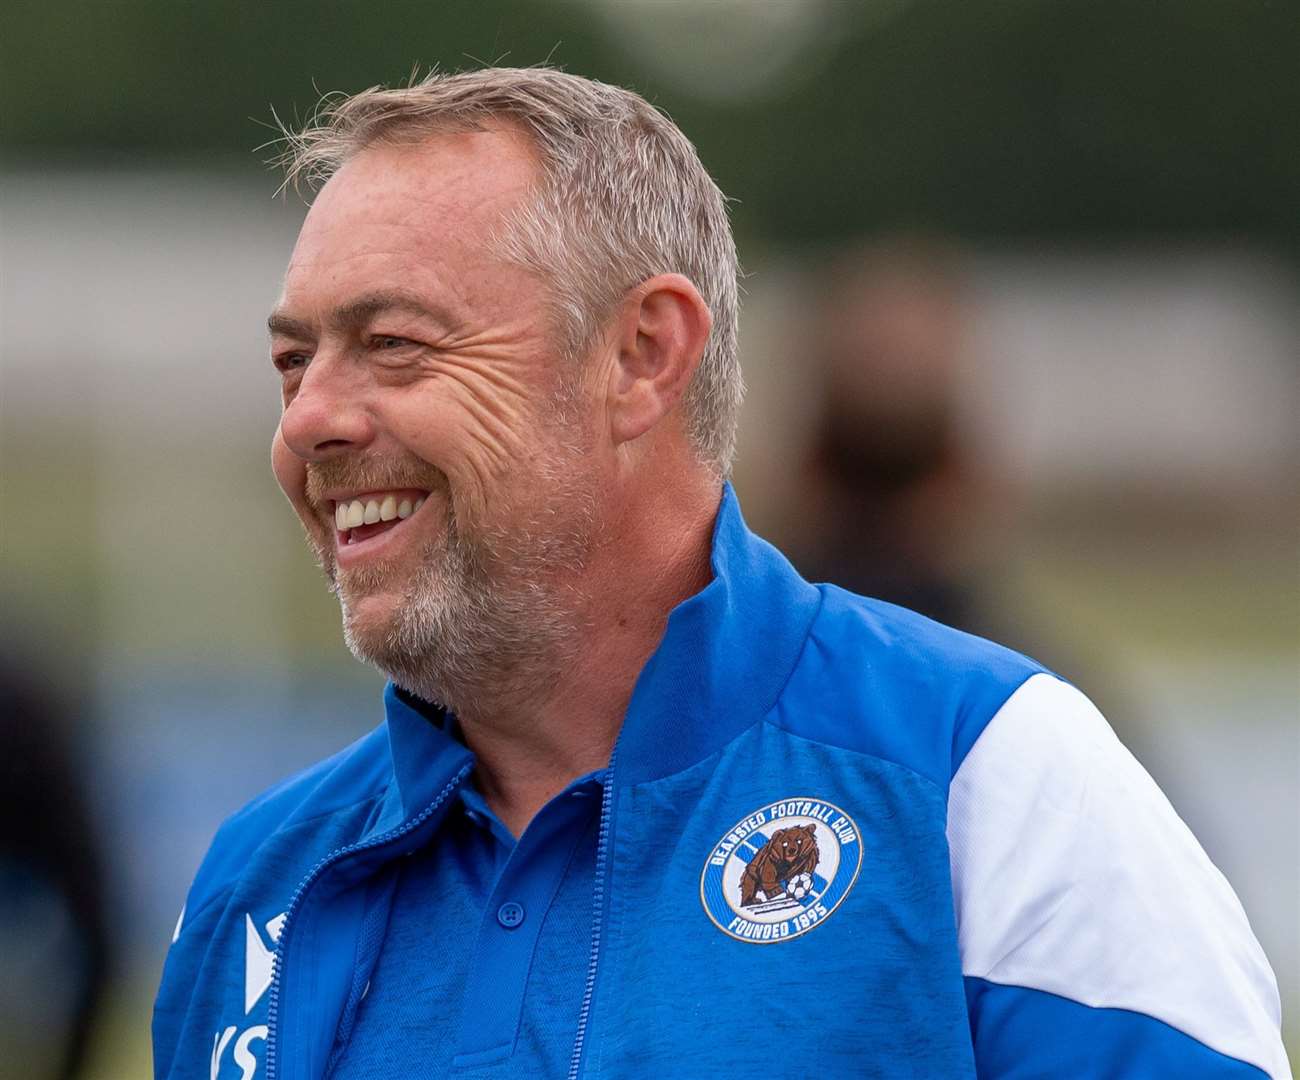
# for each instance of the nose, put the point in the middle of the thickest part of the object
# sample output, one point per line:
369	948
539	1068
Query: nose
329	413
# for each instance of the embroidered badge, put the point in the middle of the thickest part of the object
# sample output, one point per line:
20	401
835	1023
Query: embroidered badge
781	871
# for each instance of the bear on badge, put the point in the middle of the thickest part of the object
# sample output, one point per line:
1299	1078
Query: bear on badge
789	853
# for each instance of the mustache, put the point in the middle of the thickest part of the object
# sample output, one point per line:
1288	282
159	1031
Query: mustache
369	473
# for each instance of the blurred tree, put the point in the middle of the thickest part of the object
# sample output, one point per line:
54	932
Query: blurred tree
1057	119
1037	118
158	77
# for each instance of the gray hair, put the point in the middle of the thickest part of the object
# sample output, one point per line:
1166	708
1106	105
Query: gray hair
623	197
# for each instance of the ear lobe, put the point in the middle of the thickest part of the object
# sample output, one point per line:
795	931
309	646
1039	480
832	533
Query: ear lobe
663	327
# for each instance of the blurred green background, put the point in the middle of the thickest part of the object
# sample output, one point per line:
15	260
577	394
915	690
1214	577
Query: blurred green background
1051	248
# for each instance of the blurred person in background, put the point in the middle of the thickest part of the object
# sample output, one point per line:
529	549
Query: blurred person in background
896	499
53	939
644	800
892	498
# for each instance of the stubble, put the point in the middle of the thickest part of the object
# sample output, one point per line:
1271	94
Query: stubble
492	610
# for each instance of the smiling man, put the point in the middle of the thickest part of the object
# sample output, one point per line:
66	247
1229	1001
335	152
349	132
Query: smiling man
642	800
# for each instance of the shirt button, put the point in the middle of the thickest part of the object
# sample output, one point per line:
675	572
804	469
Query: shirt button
510	914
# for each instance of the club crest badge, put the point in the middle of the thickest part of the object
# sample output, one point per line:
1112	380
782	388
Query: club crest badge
781	871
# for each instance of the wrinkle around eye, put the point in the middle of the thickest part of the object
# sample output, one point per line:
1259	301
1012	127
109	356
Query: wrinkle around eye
501	337
495	371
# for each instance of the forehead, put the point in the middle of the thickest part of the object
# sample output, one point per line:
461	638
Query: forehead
416	215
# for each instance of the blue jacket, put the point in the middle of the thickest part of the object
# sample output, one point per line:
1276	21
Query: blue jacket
837	840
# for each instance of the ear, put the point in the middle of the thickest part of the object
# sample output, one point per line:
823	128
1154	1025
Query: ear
660	334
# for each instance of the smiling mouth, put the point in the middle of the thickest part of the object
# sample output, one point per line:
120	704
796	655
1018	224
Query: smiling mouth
370	514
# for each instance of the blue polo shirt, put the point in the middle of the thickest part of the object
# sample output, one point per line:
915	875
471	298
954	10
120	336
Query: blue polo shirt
484	959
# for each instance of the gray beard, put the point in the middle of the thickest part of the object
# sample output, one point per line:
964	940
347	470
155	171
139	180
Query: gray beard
493	613
487	621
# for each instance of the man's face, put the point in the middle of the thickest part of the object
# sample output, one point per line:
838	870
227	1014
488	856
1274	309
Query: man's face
421	386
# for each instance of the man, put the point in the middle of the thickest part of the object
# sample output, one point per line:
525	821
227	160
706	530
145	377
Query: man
644	802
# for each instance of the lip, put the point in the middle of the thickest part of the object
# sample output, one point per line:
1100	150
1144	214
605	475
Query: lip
384	543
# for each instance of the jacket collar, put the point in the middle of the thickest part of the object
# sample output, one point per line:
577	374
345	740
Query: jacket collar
724	658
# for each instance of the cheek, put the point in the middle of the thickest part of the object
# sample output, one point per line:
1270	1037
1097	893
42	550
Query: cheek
290	470
452	438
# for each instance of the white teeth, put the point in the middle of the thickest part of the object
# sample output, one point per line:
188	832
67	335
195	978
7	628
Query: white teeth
348	515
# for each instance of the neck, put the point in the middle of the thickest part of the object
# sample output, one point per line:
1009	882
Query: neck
652	554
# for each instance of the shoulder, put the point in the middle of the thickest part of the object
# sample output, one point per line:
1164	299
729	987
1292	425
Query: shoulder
305	813
886	681
1084	902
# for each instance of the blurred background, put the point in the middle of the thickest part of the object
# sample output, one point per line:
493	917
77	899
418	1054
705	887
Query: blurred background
1022	338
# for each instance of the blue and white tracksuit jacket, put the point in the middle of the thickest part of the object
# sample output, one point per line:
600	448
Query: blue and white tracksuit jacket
837	840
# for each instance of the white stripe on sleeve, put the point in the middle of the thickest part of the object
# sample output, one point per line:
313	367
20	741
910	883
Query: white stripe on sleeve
1072	874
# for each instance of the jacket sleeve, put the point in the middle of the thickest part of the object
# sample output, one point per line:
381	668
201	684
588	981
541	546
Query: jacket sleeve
1096	937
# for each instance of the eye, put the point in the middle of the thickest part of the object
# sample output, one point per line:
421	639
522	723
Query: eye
388	341
290	361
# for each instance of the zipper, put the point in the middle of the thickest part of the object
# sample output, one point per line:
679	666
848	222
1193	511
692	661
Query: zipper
598	917
273	1003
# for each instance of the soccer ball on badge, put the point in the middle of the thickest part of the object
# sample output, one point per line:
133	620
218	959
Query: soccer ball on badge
799	886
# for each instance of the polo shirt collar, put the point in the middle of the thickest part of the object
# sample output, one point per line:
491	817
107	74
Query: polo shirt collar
425	755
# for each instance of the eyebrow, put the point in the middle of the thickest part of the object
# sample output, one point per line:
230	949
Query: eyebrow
355	313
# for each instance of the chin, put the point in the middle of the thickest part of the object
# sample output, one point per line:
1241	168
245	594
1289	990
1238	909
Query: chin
369	620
